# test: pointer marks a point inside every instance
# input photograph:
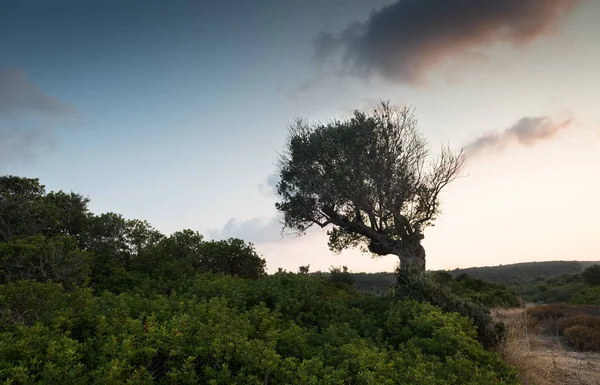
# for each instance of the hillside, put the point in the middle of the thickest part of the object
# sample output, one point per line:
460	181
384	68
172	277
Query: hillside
525	272
518	273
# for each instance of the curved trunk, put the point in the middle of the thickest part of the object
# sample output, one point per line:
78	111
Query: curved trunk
411	255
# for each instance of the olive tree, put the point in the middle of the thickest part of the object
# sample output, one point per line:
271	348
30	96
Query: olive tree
369	179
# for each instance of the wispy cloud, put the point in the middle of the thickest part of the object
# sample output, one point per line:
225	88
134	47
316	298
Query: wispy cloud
21	104
255	230
526	131
18	95
405	40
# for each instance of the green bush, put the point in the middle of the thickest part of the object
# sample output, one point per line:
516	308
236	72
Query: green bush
44	259
587	296
591	275
424	287
283	329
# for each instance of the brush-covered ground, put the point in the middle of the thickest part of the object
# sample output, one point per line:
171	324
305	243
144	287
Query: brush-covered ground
552	344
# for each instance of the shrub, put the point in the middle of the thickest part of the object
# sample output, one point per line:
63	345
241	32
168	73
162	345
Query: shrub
43	259
422	287
591	275
587	296
489	294
284	329
580	325
583	338
581	320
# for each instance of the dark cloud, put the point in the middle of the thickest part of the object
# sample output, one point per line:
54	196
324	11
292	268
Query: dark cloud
404	40
255	230
527	132
18	95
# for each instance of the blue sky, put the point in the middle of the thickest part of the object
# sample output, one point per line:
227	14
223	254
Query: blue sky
174	111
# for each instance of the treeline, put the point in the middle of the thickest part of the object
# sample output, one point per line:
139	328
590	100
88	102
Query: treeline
100	299
53	237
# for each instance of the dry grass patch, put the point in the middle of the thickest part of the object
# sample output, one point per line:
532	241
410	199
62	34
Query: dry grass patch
540	353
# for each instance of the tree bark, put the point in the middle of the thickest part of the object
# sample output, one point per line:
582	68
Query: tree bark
411	254
412	257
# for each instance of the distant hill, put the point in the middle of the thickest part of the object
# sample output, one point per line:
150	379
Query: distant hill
380	283
525	272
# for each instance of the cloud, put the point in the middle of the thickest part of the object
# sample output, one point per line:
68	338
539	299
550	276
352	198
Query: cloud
255	230
406	39
21	144
270	186
22	104
17	95
526	131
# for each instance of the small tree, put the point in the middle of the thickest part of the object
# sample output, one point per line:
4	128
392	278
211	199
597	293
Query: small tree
370	178
591	275
342	275
304	270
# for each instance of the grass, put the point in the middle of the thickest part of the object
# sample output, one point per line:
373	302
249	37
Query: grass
539	351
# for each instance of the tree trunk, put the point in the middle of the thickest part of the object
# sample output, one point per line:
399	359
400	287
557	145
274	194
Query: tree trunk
412	257
411	254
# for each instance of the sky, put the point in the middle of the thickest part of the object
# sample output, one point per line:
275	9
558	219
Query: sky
175	112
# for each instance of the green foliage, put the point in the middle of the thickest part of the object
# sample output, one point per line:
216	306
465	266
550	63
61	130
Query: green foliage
375	283
26	210
341	275
185	254
489	294
571	288
100	299
591	275
43	259
425	288
587	296
368	176
282	329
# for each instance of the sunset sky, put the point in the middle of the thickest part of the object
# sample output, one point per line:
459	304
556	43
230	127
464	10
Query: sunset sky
174	112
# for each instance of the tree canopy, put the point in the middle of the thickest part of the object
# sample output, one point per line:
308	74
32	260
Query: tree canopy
371	177
53	237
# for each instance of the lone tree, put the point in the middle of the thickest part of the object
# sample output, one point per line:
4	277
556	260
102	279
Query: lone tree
370	177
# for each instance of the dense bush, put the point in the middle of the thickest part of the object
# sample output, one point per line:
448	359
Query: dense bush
100	299
283	329
489	294
587	296
43	259
591	275
425	287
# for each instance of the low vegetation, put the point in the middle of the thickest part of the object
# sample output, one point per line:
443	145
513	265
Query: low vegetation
100	299
579	325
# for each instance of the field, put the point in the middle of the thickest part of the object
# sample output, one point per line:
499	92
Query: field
543	357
